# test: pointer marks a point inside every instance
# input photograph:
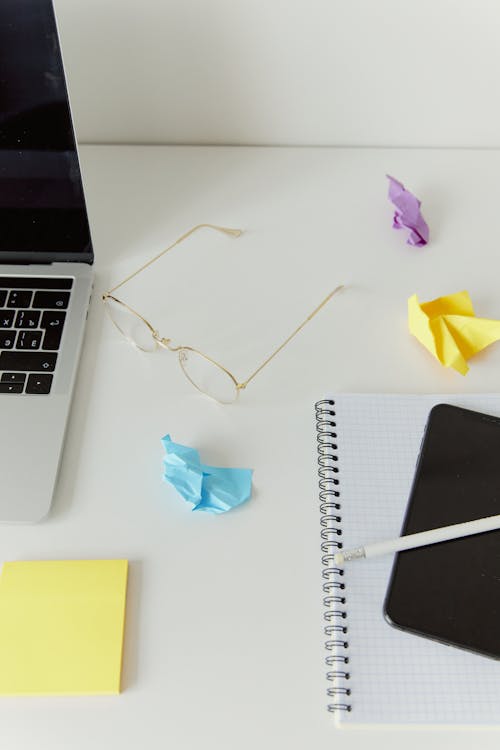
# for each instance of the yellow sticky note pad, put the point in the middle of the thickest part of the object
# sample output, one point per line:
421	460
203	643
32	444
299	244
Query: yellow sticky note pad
450	330
61	627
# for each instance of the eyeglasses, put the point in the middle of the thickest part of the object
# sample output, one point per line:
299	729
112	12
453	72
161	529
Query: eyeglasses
207	375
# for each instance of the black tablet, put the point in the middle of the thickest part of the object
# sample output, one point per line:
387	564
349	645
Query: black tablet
450	591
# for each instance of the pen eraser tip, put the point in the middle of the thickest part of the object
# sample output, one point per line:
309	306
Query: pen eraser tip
339	558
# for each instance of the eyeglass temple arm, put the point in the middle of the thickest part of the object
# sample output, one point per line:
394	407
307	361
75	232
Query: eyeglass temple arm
225	230
309	317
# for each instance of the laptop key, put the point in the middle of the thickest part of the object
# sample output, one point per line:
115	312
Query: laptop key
28	361
7	318
39	383
28	339
11	387
51	300
3	297
27	319
19	298
13	377
53	322
36	282
7	339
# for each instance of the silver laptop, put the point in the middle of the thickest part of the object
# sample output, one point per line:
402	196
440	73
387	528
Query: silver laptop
45	258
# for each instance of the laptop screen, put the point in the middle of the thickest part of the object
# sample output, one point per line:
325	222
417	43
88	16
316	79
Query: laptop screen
42	207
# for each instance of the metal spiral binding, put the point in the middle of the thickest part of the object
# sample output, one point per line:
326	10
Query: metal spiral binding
334	600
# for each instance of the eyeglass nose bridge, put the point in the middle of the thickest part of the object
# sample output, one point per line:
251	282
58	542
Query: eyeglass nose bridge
165	342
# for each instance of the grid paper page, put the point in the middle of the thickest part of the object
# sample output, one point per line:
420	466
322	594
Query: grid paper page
396	677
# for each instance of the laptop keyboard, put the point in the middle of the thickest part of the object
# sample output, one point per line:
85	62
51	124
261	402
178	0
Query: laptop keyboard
32	317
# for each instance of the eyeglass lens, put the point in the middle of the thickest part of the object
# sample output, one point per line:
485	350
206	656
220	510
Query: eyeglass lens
135	330
207	376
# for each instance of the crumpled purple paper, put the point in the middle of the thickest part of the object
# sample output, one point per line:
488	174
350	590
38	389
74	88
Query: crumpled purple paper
407	214
209	488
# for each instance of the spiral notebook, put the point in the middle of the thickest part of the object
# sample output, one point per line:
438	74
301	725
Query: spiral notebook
367	451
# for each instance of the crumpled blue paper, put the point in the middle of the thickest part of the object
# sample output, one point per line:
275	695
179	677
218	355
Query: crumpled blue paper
209	488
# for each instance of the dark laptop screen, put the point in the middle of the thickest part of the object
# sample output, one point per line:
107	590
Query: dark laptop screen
42	208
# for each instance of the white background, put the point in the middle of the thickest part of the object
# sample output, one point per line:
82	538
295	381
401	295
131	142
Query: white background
335	72
224	632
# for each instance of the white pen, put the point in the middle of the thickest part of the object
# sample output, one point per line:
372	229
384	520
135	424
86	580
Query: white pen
410	541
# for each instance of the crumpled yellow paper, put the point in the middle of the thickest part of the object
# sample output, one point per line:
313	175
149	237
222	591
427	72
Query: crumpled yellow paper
449	329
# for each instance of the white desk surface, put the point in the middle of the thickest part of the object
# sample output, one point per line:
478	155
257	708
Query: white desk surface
223	643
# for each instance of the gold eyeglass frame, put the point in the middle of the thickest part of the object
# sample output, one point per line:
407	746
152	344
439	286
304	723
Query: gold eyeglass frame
166	343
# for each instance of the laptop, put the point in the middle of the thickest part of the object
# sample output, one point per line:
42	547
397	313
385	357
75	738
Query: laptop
45	258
